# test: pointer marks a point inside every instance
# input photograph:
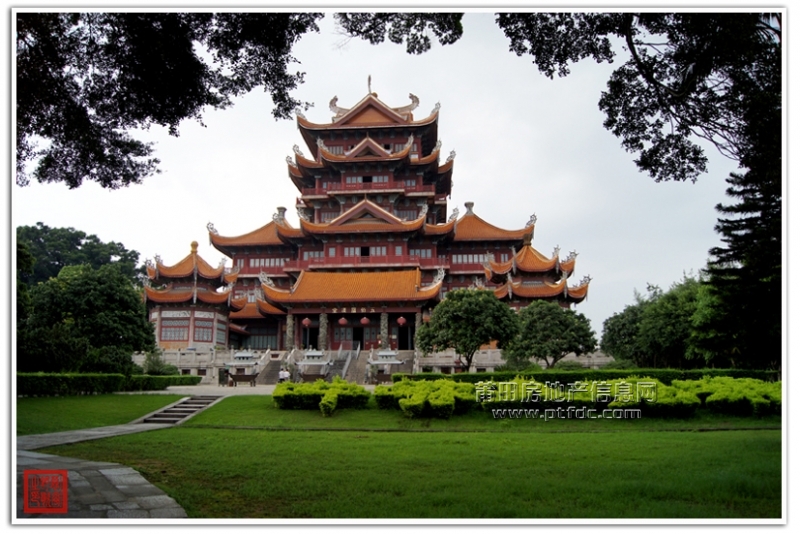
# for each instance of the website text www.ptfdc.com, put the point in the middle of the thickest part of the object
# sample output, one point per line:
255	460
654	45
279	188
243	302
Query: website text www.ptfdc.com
570	412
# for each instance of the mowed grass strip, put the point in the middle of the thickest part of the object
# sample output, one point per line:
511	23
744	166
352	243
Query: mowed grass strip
258	411
42	415
255	473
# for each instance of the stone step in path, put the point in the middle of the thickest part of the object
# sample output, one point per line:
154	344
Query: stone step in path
183	410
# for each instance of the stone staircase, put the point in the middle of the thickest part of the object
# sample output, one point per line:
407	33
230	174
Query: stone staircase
181	411
336	369
269	375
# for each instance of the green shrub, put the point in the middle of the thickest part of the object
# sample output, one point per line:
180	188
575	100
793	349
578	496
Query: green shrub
620	364
735	396
326	397
665	376
157	383
569	365
440	398
61	384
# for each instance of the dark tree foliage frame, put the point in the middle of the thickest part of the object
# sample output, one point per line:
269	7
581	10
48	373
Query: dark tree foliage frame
84	80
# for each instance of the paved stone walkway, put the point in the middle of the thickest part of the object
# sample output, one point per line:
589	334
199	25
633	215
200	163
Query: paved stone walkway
40	441
95	489
99	490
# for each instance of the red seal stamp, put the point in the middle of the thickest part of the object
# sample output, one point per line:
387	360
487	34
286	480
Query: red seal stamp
44	491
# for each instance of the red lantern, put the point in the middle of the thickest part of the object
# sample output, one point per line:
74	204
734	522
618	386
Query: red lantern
306	322
364	321
401	321
343	321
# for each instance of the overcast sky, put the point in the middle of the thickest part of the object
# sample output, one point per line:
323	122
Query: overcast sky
525	144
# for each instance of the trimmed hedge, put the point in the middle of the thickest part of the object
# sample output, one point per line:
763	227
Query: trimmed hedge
744	396
62	384
440	398
326	397
665	376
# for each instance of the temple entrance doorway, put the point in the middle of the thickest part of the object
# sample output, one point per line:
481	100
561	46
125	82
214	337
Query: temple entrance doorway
405	338
358	337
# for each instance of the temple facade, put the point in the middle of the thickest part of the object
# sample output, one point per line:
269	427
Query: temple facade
375	250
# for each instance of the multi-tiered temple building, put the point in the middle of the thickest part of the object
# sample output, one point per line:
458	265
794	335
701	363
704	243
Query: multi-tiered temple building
374	252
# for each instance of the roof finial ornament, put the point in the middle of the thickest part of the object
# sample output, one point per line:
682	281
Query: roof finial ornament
222	262
531	221
299	113
438	146
572	255
423	212
211	229
585	280
158	259
439	276
297	151
291	162
280	215
451	157
556	251
469	205
369	83
454	215
436	108
265	279
303	214
336	109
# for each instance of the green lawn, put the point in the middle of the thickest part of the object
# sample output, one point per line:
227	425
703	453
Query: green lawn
351	474
41	415
260	412
378	464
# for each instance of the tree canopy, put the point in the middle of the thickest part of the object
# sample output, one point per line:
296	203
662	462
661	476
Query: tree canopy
55	248
549	332
411	28
465	320
52	249
85	320
85	80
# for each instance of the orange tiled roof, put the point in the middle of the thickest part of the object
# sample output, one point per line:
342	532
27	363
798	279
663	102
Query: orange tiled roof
579	292
256	310
235	328
369	111
184	295
544	290
364	217
366	150
307	163
470	227
313	286
530	260
266	235
568	266
440	229
186	267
